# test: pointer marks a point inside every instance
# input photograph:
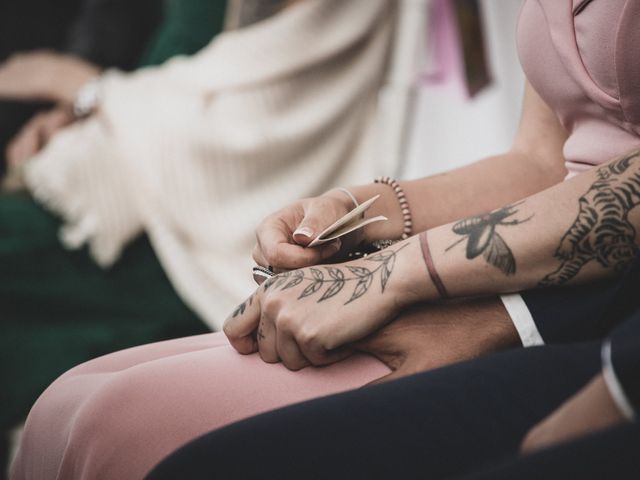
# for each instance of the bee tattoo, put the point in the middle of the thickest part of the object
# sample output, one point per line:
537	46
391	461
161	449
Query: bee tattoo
483	239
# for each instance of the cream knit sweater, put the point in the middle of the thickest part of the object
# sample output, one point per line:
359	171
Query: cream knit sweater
195	153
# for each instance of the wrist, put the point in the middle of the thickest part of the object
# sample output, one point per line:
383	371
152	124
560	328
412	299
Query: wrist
75	74
387	205
411	283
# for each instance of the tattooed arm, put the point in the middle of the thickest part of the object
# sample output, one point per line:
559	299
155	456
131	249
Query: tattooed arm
534	163
579	230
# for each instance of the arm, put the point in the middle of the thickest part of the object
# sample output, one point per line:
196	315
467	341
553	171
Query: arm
580	230
611	398
534	163
576	231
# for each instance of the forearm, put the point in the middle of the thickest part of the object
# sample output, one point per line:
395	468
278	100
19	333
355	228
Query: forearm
466	191
576	231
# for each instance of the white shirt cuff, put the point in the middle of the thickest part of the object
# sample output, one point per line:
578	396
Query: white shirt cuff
522	320
614	385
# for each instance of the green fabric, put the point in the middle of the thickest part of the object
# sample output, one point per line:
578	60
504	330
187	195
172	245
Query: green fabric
58	309
188	26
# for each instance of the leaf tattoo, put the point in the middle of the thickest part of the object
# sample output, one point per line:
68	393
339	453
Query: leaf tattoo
332	280
336	286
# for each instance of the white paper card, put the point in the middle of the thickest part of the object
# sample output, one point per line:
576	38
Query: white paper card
350	222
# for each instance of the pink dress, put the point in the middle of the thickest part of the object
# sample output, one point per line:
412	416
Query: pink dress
117	416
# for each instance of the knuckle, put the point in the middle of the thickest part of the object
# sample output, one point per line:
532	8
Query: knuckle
271	306
286	323
308	336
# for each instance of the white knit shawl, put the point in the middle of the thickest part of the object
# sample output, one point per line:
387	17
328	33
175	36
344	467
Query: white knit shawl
196	152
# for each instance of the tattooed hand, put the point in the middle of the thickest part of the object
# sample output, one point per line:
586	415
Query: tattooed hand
281	238
305	316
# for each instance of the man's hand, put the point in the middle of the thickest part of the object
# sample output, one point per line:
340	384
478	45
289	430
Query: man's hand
36	134
432	336
44	75
589	410
283	236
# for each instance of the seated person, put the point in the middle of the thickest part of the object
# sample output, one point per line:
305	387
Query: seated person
121	414
88	34
118	241
65	79
575	404
45	288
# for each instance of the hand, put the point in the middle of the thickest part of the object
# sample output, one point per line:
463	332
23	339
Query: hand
283	236
432	336
307	316
36	134
589	410
44	75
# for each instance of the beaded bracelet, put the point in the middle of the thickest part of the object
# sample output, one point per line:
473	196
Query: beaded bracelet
404	205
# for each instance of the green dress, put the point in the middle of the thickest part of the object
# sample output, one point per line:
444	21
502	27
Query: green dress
57	308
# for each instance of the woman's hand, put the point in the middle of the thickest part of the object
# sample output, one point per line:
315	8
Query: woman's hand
589	410
36	134
283	236
44	75
429	336
307	317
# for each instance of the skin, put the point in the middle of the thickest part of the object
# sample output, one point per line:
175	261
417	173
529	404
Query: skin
590	410
36	134
282	326
44	75
299	326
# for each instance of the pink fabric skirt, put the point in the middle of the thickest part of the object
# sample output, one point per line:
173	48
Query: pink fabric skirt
115	417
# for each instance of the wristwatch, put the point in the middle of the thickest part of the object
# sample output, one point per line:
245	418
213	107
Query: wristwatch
87	98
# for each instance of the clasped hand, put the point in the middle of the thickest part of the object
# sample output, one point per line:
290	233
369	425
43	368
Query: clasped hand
308	316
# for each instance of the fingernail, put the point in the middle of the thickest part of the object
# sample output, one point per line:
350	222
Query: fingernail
305	231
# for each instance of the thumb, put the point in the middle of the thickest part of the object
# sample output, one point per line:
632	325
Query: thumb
314	222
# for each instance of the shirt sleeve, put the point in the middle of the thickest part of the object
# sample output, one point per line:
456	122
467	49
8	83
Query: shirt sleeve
578	313
522	320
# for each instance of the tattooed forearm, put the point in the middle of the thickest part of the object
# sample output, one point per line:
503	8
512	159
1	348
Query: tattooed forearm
602	230
483	239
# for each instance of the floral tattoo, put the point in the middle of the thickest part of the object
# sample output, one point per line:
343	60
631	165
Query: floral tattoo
329	281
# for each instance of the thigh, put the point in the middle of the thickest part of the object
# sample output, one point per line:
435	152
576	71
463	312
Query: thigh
117	416
609	454
59	309
432	425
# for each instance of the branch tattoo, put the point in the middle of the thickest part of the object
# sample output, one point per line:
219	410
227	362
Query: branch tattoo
329	281
602	231
483	239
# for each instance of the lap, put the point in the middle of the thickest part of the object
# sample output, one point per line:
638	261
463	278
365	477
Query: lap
60	309
122	413
435	425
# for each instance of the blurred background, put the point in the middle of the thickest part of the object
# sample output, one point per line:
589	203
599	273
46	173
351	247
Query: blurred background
143	140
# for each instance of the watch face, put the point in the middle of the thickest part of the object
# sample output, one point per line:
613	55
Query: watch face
260	274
